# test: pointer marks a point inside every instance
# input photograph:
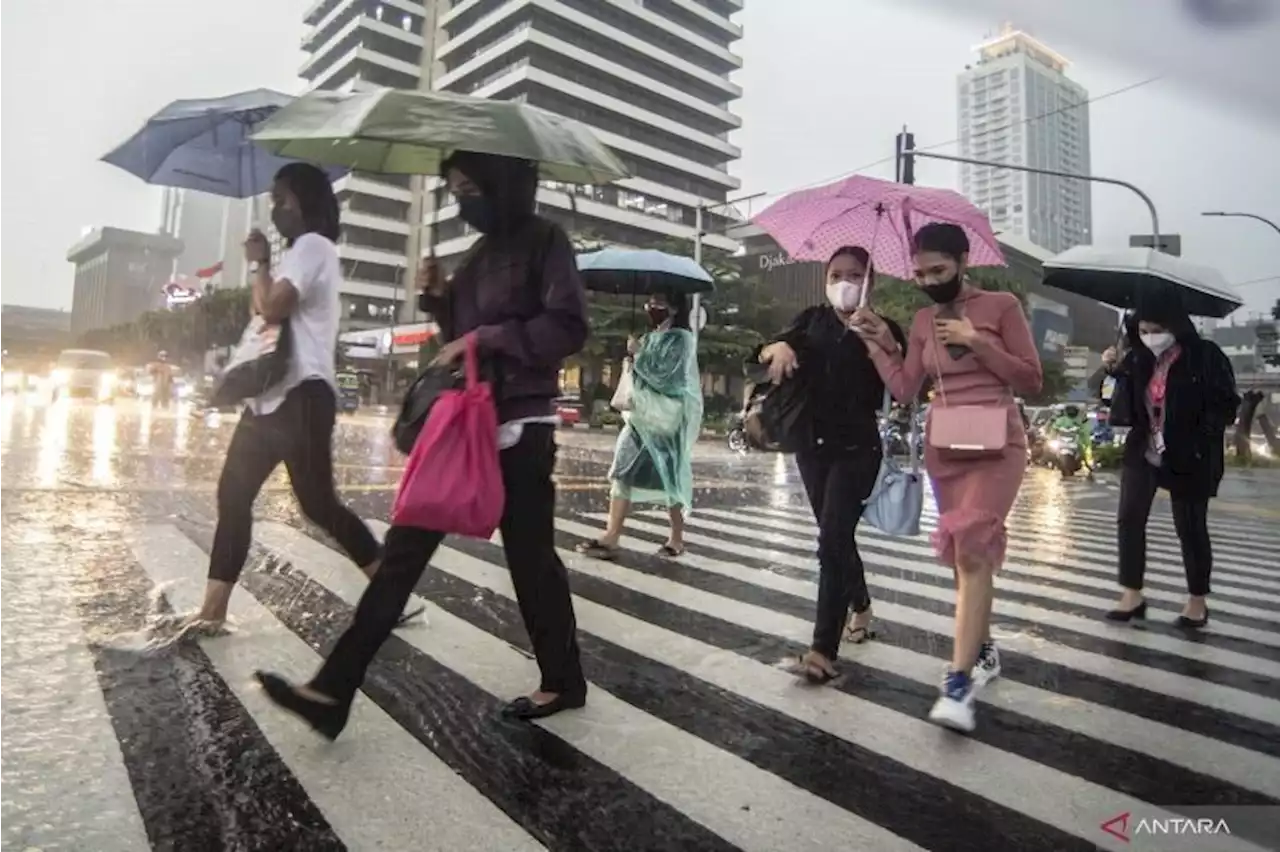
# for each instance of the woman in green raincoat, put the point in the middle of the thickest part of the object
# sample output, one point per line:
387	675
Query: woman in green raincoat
652	462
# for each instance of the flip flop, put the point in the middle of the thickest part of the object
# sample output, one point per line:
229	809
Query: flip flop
858	635
596	550
670	552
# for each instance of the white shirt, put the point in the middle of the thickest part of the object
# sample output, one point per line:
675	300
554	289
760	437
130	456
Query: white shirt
311	265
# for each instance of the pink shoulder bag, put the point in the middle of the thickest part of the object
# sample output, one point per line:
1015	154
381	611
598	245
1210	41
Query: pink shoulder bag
966	431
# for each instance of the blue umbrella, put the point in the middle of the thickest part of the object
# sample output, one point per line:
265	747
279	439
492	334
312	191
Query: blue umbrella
642	272
204	145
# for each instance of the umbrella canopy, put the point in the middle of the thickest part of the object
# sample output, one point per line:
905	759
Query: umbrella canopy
397	131
204	145
1120	277
878	215
642	272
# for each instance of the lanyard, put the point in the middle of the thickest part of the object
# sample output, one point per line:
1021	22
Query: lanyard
1158	388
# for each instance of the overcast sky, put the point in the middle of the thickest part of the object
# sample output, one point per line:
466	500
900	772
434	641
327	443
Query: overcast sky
827	84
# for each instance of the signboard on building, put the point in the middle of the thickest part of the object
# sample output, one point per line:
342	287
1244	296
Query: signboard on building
1051	332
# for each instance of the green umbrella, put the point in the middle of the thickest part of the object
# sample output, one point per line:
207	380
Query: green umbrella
397	131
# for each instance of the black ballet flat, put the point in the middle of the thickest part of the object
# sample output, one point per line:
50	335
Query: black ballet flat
328	720
524	707
1192	623
1138	612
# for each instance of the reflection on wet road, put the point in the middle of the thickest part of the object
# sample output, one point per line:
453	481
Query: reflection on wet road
694	738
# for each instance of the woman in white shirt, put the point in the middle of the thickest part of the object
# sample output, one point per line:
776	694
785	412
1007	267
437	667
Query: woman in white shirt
293	421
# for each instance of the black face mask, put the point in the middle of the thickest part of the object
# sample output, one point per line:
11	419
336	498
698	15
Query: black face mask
657	316
477	212
945	291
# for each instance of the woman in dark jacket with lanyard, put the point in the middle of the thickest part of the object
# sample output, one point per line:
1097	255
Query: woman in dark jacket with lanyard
840	464
1181	392
519	295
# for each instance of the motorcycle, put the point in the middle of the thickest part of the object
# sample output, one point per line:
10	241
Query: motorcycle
1066	455
737	437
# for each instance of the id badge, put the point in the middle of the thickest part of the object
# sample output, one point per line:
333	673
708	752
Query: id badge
1157	442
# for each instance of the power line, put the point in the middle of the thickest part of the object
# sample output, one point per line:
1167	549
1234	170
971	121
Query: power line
1026	121
1253	281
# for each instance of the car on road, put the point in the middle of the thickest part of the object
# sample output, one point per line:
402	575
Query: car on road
84	373
568	409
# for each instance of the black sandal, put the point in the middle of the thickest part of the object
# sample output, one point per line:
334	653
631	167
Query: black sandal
597	550
670	552
812	672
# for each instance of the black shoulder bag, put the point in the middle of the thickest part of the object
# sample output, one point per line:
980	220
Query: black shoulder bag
432	381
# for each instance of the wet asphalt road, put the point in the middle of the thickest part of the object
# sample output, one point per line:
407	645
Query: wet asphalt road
693	739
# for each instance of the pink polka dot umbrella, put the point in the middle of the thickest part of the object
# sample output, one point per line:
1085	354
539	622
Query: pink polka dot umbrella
878	215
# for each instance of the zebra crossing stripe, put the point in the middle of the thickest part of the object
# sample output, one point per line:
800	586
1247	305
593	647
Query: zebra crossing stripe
750	808
1200	653
1195	752
1059	551
375	784
39	780
923	563
1227	699
1011	781
692	738
1022	564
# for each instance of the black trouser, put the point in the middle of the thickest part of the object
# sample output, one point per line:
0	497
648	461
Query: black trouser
838	482
1138	484
540	579
300	434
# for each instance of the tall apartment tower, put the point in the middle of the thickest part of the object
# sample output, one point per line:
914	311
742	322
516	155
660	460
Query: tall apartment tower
1017	106
651	77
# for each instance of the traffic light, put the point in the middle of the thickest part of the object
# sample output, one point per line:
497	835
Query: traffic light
1275	310
905	145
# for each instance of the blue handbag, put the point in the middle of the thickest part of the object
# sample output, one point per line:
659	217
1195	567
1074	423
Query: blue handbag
898	495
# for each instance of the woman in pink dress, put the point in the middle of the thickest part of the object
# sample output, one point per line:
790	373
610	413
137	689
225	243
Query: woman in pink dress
977	349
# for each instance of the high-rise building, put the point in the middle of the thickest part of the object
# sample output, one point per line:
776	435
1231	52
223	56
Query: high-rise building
120	275
353	44
1017	106
200	220
651	77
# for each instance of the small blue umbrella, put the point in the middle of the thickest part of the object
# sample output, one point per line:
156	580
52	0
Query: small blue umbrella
204	145
642	272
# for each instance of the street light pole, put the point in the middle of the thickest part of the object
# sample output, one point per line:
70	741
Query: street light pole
908	151
391	347
1262	219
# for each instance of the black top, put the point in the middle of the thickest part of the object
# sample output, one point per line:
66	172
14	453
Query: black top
1200	403
846	392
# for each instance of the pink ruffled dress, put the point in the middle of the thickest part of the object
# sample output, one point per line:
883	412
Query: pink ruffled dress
974	495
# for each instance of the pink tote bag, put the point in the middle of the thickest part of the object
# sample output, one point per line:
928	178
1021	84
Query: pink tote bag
452	482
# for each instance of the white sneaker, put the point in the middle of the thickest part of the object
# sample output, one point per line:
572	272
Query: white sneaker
987	668
954	707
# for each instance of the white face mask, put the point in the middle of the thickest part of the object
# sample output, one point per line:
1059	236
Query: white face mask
1157	343
844	295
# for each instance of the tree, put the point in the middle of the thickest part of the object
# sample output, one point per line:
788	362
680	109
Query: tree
1057	384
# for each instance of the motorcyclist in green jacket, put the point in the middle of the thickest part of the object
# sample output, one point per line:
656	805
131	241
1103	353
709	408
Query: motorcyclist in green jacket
1074	422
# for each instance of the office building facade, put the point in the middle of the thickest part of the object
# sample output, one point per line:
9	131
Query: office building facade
1017	106
651	78
119	276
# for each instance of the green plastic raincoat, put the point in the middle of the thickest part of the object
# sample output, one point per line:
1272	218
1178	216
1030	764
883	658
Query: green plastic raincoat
653	459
